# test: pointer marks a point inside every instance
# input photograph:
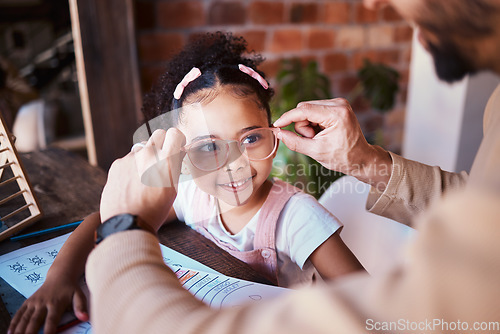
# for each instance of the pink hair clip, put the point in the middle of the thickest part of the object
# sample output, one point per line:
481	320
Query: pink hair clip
251	72
195	73
191	76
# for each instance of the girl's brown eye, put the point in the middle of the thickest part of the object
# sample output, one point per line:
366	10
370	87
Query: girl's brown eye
253	138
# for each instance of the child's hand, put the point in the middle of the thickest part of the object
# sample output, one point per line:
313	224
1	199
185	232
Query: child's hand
46	307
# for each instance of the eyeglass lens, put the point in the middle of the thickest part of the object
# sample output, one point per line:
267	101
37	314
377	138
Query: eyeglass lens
212	154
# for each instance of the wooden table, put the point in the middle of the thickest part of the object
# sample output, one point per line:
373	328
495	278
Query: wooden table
68	189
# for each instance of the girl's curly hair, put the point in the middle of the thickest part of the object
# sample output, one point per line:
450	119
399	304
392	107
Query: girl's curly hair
217	55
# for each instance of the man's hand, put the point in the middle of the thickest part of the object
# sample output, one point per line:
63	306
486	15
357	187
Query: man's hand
144	182
332	136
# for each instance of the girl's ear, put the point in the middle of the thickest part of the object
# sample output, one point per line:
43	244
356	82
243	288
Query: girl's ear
184	166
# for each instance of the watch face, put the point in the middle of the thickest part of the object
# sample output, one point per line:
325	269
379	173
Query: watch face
115	224
122	222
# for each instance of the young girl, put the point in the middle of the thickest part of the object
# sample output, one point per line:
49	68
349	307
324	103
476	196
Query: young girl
227	195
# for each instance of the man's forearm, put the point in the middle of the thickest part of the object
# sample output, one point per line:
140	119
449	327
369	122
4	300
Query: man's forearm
412	187
133	291
374	169
131	287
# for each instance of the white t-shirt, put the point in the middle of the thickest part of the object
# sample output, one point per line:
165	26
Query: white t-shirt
302	226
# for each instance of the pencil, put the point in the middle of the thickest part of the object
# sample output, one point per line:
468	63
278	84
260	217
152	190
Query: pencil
42	232
68	325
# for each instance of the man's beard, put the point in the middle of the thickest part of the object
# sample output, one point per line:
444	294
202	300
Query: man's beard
449	62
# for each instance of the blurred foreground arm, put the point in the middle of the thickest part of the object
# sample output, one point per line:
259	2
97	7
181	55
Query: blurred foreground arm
451	275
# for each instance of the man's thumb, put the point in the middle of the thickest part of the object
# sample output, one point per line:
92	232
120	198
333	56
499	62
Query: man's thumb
294	141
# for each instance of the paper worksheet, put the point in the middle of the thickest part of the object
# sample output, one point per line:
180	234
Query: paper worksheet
26	269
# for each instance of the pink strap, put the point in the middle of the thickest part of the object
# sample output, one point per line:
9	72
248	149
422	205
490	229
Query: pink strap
251	72
192	75
265	233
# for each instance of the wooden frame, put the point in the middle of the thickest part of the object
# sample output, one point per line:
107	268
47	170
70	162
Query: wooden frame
108	76
10	160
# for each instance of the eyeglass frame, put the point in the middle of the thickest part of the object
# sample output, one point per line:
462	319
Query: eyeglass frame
227	142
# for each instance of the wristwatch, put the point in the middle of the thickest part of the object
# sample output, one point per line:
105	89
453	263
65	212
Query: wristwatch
118	223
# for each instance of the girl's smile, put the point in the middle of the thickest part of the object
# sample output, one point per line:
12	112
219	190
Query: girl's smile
238	183
236	186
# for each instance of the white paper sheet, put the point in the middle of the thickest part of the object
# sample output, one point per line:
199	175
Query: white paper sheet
26	269
217	290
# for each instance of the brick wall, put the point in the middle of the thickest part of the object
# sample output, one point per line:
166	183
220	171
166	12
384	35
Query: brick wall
337	33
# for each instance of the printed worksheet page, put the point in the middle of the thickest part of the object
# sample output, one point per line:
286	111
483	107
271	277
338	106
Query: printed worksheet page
26	269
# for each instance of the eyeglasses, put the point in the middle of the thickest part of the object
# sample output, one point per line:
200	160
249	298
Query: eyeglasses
211	154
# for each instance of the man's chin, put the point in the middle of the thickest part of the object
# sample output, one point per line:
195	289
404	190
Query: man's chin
450	65
452	76
452	68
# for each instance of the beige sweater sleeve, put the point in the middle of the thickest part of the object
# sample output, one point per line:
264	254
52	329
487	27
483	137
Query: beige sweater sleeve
451	274
413	186
133	291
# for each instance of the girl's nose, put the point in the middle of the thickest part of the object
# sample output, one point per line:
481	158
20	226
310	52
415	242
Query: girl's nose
236	158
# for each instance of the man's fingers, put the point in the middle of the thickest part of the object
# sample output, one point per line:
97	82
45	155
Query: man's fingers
156	139
161	144
305	129
330	102
319	113
292	116
295	142
153	146
173	142
150	154
159	162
